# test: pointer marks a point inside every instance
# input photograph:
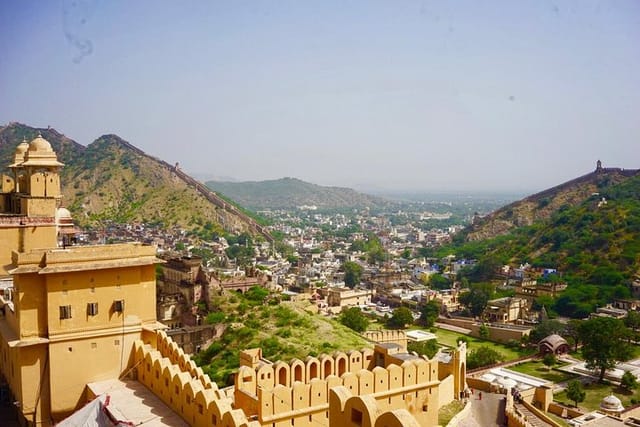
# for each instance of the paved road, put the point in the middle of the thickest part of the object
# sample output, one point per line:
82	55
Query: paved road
488	412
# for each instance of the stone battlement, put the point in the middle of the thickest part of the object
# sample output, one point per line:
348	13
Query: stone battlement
184	387
317	391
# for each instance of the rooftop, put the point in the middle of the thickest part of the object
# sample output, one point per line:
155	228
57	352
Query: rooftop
133	402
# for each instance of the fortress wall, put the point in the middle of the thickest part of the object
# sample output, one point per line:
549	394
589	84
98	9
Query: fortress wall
408	386
401	393
387	336
198	402
172	351
268	375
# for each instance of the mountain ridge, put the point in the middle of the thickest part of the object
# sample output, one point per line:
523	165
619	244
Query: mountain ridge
111	179
290	193
543	204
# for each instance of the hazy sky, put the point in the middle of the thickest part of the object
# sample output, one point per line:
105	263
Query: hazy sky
414	95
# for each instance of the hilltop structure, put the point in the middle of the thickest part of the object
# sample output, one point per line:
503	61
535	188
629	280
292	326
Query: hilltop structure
77	322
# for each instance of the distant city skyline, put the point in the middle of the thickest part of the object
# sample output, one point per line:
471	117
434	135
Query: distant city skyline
412	96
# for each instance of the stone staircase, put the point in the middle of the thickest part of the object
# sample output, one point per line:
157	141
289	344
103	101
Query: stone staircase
530	417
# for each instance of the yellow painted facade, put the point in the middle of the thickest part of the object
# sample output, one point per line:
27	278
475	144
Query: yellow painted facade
69	316
342	389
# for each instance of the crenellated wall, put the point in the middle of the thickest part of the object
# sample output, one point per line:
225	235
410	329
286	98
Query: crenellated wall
266	390
387	336
343	386
182	386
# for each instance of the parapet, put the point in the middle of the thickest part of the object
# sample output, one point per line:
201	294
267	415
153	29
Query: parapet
185	388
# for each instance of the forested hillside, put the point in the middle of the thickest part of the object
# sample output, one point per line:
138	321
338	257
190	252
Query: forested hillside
595	245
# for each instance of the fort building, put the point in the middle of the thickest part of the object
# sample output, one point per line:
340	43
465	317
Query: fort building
80	321
68	315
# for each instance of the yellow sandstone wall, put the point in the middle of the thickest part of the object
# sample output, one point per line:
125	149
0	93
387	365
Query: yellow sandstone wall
402	395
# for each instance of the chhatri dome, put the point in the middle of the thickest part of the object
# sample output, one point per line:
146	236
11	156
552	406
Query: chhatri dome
40	154
39	144
63	215
18	156
611	405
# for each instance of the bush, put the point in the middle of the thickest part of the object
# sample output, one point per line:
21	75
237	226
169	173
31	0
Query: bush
215	317
284	333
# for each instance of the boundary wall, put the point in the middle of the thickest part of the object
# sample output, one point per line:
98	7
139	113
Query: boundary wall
272	395
387	336
182	386
278	396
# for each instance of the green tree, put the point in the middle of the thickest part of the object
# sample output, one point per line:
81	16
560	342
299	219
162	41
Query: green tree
628	381
400	318
352	273
477	297
572	332
546	328
429	313
603	343
484	332
483	356
428	348
354	319
632	321
549	360
575	391
438	281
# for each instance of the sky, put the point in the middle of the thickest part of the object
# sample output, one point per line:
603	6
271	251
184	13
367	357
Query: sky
373	95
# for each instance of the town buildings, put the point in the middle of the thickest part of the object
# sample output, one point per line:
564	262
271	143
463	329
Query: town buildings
78	319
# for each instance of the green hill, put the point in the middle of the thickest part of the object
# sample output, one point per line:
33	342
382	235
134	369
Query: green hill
111	179
290	193
595	244
542	205
282	330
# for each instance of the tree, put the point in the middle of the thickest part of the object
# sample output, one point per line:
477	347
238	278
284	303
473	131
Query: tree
429	313
632	321
354	319
438	281
546	328
484	332
572	331
549	360
477	298
400	318
428	348
352	273
483	356
603	343
628	381
575	391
